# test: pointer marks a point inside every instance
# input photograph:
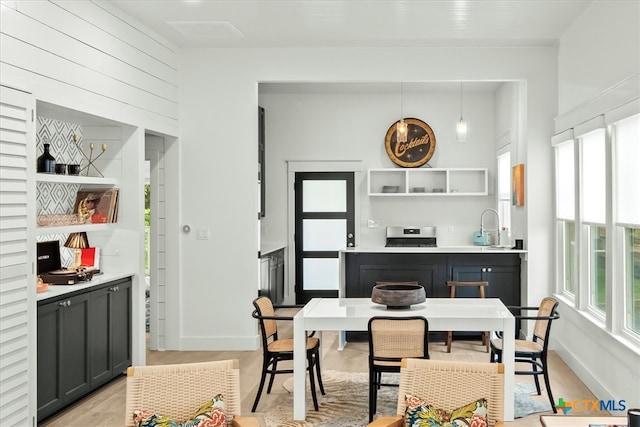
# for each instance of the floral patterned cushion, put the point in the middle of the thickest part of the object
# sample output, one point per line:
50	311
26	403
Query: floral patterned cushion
211	414
420	413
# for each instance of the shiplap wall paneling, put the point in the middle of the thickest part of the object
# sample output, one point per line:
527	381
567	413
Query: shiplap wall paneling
107	65
17	256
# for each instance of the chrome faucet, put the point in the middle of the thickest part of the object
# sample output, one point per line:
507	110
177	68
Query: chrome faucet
497	229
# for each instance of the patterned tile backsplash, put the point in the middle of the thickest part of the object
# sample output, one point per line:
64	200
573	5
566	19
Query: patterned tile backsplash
53	198
60	136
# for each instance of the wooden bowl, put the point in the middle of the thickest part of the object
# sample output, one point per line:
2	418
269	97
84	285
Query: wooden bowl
398	295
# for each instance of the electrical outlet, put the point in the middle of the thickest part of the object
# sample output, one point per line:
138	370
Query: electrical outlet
372	223
451	229
203	234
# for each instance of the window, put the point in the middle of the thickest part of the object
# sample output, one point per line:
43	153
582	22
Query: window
565	213
632	280
569	260
626	142
593	193
597	270
504	189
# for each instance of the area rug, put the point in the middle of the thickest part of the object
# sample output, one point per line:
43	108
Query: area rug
523	403
346	403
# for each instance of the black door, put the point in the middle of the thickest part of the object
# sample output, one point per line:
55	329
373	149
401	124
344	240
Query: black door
324	224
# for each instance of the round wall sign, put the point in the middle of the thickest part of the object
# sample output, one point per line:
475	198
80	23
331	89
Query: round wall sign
419	148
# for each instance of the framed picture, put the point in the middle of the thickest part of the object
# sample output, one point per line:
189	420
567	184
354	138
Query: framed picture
97	206
517	179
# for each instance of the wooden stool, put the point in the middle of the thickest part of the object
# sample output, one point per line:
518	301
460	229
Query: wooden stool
480	286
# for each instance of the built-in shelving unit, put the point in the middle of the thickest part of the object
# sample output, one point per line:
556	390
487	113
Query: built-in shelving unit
75	182
77	179
427	182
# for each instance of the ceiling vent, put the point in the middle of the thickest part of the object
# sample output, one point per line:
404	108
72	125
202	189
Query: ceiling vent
206	29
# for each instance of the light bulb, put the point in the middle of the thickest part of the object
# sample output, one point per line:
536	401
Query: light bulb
461	130
402	131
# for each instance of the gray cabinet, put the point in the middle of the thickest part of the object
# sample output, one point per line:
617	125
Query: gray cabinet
272	276
110	331
84	340
63	349
432	270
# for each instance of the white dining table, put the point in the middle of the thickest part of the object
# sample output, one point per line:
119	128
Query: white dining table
443	314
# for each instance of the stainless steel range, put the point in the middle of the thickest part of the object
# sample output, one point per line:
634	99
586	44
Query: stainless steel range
408	236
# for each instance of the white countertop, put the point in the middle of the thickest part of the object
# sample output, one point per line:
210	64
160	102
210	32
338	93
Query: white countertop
57	290
436	250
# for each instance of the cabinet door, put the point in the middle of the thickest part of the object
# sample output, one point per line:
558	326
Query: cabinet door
280	277
264	277
273	278
74	338
504	281
364	270
18	252
100	347
49	325
110	331
120	321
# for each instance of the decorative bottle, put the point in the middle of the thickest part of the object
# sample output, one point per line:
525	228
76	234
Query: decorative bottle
46	162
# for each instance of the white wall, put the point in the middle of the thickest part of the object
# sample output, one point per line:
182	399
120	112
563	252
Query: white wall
599	50
219	156
334	125
599	69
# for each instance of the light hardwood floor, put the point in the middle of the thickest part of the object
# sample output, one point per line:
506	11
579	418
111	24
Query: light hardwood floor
105	407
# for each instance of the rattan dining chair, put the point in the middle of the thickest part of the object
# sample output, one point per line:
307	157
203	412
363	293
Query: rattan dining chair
276	349
178	391
448	385
533	352
390	340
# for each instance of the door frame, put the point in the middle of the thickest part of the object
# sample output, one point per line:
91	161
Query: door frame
354	166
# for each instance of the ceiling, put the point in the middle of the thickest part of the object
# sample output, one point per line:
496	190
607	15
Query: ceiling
355	23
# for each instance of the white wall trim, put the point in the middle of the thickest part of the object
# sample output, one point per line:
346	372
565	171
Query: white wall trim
220	343
320	166
581	334
294	166
617	95
562	137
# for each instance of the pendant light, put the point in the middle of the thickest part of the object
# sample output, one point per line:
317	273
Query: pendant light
401	127
461	126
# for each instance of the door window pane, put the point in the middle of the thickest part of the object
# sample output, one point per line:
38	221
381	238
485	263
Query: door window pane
632	250
324	196
324	234
321	274
597	276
